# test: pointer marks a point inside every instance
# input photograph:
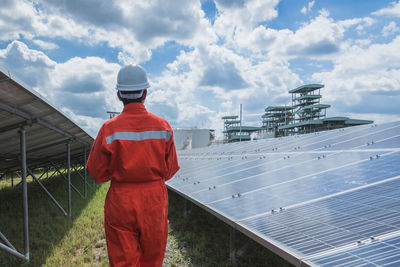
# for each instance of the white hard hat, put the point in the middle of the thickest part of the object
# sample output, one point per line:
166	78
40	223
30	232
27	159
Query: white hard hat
132	78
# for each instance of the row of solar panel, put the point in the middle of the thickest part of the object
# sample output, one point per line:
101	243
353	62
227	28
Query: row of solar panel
347	138
314	193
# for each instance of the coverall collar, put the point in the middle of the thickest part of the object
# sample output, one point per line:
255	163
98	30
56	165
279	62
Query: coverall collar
135	108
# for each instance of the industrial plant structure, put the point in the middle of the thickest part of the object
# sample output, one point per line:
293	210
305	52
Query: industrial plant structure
234	131
276	116
306	114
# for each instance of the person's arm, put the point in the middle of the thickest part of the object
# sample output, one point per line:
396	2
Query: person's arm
99	158
171	158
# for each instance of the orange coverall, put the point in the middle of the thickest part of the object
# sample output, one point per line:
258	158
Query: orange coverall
136	151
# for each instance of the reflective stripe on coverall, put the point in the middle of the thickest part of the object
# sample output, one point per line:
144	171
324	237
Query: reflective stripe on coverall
136	151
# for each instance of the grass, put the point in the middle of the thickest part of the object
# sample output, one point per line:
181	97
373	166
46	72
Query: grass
55	240
199	239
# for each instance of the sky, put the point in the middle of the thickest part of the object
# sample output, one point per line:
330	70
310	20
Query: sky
206	57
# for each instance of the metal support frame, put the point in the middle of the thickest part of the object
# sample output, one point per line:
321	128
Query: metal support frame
82	177
84	164
20	113
69	177
66	179
15	126
47	173
8	246
47	192
18	176
24	192
26	121
40	177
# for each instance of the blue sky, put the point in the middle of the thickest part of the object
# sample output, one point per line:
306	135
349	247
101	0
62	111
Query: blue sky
206	57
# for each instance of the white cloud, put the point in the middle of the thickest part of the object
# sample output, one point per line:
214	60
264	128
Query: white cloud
394	10
390	29
30	66
20	18
82	86
307	9
45	45
241	16
365	80
135	28
190	85
365	22
363	42
321	38
16	18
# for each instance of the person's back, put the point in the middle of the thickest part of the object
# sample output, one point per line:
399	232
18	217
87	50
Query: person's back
136	151
139	144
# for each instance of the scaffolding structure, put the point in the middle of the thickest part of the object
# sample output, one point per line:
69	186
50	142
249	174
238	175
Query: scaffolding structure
276	116
308	114
306	103
230	121
235	132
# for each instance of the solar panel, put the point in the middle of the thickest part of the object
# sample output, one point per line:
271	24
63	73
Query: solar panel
47	129
35	136
310	198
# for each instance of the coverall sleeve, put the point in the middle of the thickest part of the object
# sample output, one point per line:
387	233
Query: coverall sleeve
171	159
99	158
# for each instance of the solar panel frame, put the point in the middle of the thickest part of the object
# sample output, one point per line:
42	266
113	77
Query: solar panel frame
34	134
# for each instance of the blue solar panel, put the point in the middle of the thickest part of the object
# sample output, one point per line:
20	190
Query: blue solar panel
317	196
375	253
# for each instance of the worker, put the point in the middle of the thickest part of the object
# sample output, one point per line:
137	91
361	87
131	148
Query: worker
136	151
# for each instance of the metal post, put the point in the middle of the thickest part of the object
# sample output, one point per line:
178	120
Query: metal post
77	171
24	191
240	136
65	178
84	164
46	191
69	176
5	240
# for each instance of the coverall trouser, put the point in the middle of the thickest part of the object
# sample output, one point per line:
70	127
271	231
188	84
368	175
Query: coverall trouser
136	223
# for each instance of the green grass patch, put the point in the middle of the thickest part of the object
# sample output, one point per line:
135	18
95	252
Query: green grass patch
54	239
199	239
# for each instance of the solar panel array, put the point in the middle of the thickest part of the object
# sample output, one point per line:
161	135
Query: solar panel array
47	128
34	136
328	198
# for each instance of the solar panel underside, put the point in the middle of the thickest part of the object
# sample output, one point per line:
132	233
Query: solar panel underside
48	130
330	198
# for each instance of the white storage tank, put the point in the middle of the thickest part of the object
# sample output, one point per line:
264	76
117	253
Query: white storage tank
188	138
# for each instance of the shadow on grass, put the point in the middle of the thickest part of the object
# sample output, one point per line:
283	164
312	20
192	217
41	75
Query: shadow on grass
206	239
47	224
